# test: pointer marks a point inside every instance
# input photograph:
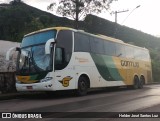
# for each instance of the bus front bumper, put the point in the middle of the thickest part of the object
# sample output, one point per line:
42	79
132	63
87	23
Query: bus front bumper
43	86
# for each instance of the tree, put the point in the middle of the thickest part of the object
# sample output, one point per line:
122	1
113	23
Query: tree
78	9
15	2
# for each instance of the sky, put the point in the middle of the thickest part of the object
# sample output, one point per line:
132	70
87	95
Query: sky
146	18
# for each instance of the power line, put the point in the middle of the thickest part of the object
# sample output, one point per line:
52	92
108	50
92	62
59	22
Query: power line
130	14
116	12
116	27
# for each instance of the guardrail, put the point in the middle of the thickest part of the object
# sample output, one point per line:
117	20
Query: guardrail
7	82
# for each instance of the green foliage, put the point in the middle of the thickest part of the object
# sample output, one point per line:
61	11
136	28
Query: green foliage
19	19
155	56
80	8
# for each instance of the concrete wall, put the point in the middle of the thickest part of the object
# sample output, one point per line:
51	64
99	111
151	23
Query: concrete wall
7	66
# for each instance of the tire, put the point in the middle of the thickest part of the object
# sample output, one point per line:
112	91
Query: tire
82	86
141	83
136	82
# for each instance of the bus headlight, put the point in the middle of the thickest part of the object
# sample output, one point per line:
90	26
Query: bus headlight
46	79
18	82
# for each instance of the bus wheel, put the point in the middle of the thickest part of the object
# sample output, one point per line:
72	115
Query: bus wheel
141	82
82	86
136	82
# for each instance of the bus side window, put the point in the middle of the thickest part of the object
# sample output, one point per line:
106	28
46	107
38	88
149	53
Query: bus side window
129	52
63	49
137	54
59	55
120	50
109	48
97	45
82	42
60	60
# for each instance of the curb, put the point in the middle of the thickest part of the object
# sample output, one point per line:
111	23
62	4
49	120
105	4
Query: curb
9	96
17	95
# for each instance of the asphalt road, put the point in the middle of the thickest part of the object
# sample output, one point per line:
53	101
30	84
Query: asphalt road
96	103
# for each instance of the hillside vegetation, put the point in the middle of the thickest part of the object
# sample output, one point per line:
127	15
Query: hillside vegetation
18	19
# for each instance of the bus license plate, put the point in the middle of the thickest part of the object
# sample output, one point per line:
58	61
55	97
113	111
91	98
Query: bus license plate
29	87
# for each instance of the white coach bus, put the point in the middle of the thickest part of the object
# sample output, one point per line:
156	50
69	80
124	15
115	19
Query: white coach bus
62	58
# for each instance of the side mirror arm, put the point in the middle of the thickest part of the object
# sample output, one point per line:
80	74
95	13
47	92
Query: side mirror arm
10	50
47	45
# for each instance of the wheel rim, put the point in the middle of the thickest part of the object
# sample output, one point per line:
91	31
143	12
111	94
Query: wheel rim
82	86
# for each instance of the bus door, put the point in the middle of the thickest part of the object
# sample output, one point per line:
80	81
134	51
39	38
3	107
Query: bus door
64	70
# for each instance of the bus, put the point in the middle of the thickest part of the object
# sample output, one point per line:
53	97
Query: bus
62	58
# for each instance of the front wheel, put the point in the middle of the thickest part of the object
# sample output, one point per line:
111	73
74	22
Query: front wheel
82	86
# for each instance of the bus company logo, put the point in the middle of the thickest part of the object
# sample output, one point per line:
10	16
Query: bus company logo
65	81
129	63
82	60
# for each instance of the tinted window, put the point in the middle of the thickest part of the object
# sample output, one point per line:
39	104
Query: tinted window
59	56
97	45
109	48
82	43
120	50
129	52
145	55
137	53
38	38
141	54
64	48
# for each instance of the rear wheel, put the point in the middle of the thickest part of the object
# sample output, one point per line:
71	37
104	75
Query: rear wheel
82	86
141	82
136	82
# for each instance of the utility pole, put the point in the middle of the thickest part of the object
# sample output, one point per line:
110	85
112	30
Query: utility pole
116	12
116	26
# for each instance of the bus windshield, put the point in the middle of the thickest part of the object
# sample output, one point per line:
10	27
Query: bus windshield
32	58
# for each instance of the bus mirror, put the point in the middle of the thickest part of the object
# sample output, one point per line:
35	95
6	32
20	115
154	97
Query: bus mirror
18	49
48	45
10	50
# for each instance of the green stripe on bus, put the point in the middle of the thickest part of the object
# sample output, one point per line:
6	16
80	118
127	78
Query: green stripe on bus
39	76
106	67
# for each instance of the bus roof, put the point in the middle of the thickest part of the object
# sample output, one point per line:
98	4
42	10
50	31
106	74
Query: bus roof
110	38
82	31
51	28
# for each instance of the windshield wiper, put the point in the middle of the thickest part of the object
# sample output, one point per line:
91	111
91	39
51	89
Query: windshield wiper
34	66
24	67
